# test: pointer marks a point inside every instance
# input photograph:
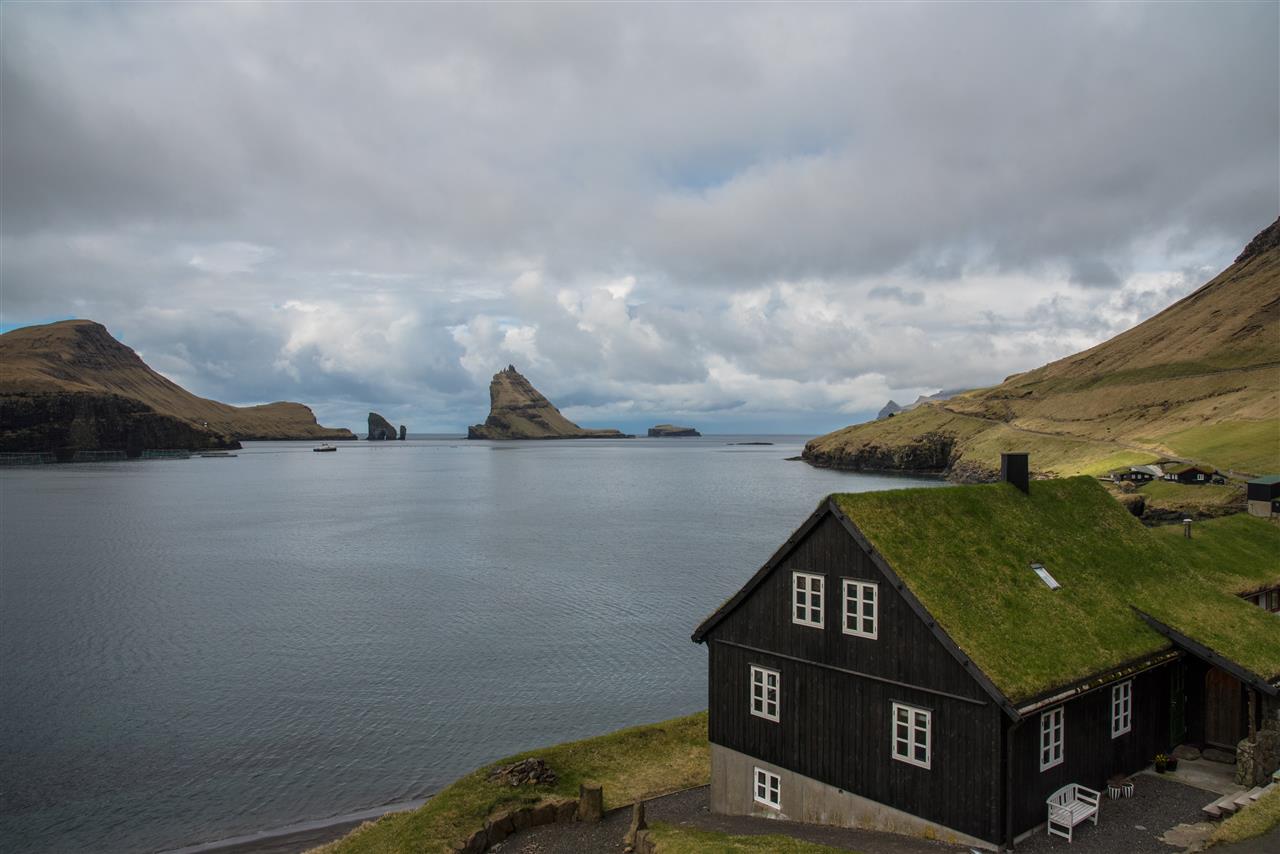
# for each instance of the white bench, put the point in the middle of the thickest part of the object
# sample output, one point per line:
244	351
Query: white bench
1069	806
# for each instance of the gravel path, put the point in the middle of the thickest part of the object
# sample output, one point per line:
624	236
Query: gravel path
690	809
1132	825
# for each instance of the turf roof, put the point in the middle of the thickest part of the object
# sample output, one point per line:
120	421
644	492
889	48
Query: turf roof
966	553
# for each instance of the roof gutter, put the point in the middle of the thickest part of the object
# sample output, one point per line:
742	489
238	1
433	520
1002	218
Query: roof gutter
1095	683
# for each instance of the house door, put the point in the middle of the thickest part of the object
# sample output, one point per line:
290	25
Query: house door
1177	703
1222	709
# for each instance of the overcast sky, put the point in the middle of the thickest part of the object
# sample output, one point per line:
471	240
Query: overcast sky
740	217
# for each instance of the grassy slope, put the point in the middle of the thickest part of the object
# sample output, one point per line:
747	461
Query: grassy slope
1168	495
630	764
1260	817
1239	553
683	840
965	552
1200	380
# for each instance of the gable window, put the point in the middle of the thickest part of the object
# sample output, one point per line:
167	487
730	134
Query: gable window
1121	708
764	692
1051	731
912	734
860	604
768	789
806	601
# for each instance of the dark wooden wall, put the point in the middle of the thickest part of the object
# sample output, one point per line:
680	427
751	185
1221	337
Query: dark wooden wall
837	729
1090	754
905	650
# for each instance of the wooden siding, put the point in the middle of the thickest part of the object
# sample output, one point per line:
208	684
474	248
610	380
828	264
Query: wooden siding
836	728
1090	754
905	650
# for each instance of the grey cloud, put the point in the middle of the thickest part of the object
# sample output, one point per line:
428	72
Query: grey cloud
398	166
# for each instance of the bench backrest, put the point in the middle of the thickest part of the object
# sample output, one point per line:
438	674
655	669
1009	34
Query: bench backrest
1063	796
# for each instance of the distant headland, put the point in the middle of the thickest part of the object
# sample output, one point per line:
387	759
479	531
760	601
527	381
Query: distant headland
70	386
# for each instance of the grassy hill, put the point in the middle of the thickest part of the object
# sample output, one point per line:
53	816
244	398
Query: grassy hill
72	385
1199	381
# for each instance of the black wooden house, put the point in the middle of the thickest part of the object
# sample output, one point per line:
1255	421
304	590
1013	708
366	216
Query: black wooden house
940	661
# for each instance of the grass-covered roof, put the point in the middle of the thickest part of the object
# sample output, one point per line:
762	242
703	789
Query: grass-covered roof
966	553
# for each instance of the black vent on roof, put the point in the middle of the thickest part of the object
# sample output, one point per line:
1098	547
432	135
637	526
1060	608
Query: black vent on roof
1016	469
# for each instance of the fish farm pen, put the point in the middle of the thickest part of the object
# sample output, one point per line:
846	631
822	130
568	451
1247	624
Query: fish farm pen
166	455
15	458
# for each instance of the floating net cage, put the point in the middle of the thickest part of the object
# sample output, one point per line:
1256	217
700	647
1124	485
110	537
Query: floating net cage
16	458
98	457
160	454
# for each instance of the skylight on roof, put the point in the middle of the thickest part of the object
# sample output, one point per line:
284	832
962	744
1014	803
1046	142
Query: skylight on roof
1049	580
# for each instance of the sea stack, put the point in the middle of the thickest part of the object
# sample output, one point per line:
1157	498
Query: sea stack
403	432
671	431
517	410
380	429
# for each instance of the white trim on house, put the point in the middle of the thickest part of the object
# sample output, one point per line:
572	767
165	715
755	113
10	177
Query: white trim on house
766	692
1121	708
806	599
1052	736
911	735
863	619
767	788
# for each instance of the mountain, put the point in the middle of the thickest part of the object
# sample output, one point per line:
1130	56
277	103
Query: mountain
893	407
70	386
1198	381
517	410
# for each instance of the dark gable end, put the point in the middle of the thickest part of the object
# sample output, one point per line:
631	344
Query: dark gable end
815	644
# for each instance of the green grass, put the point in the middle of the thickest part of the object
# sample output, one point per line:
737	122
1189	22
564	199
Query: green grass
683	840
966	553
1260	817
1170	495
630	764
1250	446
1239	553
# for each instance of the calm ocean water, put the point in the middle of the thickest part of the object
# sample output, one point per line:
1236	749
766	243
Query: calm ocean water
195	649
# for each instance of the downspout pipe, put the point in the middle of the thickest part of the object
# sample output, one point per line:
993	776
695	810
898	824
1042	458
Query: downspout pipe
1008	783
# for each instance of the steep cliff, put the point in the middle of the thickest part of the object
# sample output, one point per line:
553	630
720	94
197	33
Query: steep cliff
71	386
380	429
517	410
1196	381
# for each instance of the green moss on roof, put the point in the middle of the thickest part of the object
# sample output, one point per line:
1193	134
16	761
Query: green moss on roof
966	552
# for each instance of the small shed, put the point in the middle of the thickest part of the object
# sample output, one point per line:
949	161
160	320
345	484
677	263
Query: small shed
1264	496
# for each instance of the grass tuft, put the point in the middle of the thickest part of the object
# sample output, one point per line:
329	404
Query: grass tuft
684	840
1262	816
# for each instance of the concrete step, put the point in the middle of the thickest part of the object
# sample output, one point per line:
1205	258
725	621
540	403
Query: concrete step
1245	798
1223	806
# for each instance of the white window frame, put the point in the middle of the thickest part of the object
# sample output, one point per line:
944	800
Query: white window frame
1053	734
913	727
766	788
811	586
760	692
863	593
1121	708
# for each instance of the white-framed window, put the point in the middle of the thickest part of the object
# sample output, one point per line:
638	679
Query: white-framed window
1121	708
1051	733
912	735
806	600
764	692
768	789
861	604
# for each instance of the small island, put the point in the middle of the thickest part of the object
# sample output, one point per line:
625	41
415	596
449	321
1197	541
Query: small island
671	431
517	410
380	429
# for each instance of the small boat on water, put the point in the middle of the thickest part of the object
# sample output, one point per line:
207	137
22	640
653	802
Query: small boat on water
324	446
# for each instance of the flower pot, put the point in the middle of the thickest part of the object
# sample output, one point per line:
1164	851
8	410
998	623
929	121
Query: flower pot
1171	765
1127	788
1160	766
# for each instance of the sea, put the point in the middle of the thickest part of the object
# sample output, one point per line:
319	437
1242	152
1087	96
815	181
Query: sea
192	650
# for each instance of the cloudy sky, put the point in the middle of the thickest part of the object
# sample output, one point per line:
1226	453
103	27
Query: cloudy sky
742	217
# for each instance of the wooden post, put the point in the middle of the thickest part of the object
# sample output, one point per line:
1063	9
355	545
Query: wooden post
637	825
590	803
1253	715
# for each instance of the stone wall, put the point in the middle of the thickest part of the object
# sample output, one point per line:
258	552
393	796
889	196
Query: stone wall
503	823
1258	759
